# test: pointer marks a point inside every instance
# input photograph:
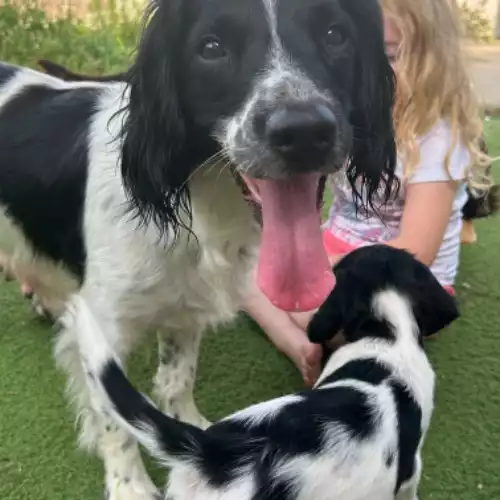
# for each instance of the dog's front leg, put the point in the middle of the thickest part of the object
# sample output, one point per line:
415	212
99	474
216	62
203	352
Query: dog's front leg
175	378
125	475
4	263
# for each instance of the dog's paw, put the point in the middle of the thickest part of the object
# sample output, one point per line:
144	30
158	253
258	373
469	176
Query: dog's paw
202	422
156	496
6	273
127	478
128	489
188	414
40	310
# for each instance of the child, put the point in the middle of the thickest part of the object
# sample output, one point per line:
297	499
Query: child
438	128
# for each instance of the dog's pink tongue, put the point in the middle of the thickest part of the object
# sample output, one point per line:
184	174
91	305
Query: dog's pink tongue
293	269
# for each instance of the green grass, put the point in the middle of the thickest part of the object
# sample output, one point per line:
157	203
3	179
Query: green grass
38	456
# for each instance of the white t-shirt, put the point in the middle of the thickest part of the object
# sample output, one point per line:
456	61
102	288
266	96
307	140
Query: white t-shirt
366	227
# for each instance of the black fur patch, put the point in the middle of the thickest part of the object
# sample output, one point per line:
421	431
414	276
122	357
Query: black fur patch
43	168
482	207
7	72
268	487
389	459
488	203
296	429
409	432
226	451
367	370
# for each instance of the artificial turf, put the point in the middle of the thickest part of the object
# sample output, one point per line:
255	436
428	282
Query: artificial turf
38	455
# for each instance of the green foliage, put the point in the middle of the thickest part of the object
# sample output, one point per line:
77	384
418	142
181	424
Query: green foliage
476	23
103	42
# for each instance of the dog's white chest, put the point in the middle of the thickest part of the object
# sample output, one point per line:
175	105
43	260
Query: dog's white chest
212	282
201	280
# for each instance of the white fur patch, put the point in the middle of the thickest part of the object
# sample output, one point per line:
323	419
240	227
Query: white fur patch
266	410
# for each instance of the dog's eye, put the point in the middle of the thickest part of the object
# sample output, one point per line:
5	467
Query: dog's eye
334	36
211	49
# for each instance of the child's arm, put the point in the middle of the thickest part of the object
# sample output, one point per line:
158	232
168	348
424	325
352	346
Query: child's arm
426	215
430	194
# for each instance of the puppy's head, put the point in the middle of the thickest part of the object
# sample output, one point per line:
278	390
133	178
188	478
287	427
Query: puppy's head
363	276
287	92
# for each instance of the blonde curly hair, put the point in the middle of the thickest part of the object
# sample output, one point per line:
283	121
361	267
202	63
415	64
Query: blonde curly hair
433	84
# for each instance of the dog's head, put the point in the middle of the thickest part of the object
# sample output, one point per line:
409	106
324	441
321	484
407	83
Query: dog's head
285	91
362	276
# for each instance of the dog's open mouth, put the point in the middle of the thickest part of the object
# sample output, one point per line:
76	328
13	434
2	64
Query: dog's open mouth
293	269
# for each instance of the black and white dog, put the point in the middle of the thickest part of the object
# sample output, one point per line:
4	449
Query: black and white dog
126	192
357	435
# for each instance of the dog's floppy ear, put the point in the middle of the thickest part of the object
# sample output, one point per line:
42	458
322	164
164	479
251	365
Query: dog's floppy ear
348	309
434	308
328	319
154	163
373	155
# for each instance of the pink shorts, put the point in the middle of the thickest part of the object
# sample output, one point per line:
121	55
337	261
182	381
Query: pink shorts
336	246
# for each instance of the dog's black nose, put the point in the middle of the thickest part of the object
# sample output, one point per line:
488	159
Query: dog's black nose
302	134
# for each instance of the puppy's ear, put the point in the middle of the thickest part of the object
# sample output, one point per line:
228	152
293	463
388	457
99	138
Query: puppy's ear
434	307
155	165
347	310
328	319
373	156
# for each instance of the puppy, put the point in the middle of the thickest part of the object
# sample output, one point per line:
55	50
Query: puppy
357	435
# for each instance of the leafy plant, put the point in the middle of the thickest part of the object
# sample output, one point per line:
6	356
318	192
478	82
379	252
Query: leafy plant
101	42
475	21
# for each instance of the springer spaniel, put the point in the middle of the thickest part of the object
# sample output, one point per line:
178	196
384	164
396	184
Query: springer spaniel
127	193
357	435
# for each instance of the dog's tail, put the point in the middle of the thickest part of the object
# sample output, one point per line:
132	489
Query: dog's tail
64	73
167	439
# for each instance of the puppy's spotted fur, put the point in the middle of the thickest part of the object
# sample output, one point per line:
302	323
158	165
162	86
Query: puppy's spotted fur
357	435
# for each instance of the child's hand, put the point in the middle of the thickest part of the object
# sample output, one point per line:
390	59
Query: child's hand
335	258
